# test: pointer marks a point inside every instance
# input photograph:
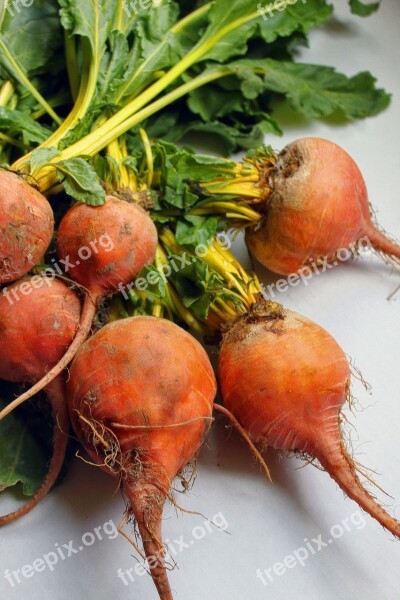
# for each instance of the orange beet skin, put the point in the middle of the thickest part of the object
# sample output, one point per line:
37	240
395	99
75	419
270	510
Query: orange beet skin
26	226
285	380
39	318
120	236
318	206
140	396
103	248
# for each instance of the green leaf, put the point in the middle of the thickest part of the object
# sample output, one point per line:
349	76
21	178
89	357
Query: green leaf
41	157
191	287
113	64
237	109
22	123
199	306
363	10
201	167
301	17
84	126
28	40
156	47
22	458
80	181
196	230
102	166
187	163
224	14
241	131
196	284
28	35
90	19
313	90
318	91
175	191
238	135
91	22
156	285
212	103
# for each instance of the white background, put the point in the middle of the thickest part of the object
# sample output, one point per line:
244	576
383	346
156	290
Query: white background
269	522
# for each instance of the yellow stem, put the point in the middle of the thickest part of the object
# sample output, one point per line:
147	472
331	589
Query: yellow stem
175	303
115	150
158	310
6	91
119	124
149	156
229	312
80	108
224	207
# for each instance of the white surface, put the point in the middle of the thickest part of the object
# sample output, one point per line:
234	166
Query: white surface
268	522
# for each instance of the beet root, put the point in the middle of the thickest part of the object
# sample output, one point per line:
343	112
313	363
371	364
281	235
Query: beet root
26	226
39	318
120	237
103	248
318	205
140	397
285	379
